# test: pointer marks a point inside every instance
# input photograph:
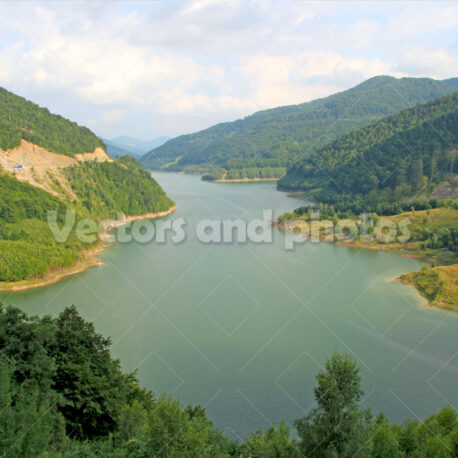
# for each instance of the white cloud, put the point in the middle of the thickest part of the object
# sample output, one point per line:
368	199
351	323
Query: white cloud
113	116
437	63
127	67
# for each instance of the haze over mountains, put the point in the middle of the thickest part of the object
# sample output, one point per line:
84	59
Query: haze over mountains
279	137
123	144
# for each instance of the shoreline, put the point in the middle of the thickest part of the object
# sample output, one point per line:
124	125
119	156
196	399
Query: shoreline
55	275
425	303
387	248
111	224
240	180
219	180
90	256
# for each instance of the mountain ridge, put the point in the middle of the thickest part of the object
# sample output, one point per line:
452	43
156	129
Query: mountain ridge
280	136
389	160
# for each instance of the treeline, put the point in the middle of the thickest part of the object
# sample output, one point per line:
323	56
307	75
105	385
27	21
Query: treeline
431	236
219	173
108	188
63	395
386	162
22	119
281	136
349	209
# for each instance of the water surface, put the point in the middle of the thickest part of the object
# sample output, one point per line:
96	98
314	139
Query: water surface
243	328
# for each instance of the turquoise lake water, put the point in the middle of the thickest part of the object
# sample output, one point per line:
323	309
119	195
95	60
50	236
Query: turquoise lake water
243	328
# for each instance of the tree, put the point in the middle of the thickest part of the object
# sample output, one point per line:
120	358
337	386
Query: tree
29	422
272	443
91	381
385	440
336	427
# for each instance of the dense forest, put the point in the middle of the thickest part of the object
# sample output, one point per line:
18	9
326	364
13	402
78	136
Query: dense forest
22	119
62	394
28	248
385	163
219	173
108	188
281	136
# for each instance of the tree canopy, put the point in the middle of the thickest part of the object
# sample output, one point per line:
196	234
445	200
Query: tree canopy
28	248
279	137
22	119
398	157
63	394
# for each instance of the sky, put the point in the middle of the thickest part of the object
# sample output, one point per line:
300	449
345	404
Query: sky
166	67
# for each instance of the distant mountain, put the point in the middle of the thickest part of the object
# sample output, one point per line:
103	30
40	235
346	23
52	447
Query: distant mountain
114	150
281	136
397	157
134	146
451	82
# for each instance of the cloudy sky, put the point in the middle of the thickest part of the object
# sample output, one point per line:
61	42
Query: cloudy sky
169	67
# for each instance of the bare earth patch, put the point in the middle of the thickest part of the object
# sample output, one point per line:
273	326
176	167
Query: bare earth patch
43	169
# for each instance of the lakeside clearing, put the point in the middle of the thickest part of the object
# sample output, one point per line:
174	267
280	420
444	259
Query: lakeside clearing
438	285
90	258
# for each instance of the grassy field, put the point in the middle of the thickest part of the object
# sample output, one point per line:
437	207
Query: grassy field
433	219
439	285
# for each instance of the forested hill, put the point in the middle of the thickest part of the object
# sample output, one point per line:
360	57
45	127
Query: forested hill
279	137
22	119
399	156
34	181
28	248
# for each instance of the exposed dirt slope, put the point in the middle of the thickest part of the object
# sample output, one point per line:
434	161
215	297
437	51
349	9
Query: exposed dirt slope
447	189
43	169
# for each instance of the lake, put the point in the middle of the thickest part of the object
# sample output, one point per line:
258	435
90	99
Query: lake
243	328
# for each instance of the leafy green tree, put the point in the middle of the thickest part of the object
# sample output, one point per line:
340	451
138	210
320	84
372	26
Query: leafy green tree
29	422
336	427
385	439
272	443
91	381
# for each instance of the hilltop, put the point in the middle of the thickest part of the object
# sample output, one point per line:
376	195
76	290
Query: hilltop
268	142
21	119
50	163
403	155
125	145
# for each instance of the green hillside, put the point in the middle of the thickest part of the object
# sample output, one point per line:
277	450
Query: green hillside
281	136
397	157
108	188
22	119
27	246
28	249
